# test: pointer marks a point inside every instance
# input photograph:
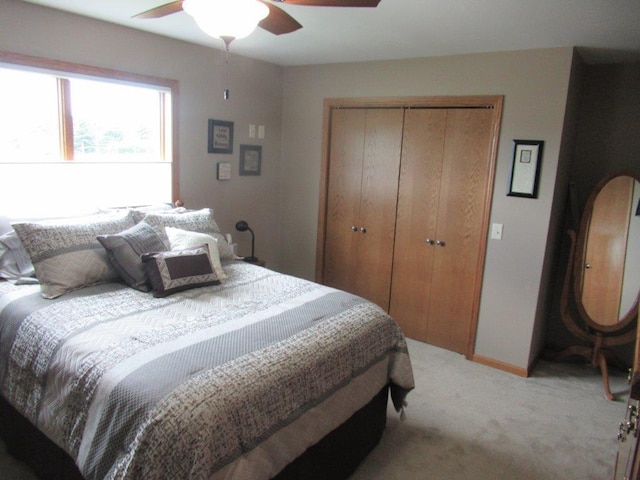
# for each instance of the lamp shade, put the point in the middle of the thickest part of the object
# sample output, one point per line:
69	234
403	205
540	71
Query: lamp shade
242	226
226	18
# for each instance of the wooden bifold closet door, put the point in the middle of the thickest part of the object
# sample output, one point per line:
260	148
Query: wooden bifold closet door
440	223
404	209
361	201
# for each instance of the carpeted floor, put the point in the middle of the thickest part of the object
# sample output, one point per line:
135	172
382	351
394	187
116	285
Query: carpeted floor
469	421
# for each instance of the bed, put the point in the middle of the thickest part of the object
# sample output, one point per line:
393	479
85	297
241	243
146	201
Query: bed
209	368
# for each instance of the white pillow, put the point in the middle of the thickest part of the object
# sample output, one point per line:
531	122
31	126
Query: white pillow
181	239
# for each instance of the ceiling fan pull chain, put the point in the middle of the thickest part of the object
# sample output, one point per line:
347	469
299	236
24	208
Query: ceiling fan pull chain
225	68
225	73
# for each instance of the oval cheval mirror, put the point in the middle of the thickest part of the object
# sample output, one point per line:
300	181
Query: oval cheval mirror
599	303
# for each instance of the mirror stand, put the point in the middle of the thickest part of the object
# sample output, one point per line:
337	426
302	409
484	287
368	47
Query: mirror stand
597	352
599	301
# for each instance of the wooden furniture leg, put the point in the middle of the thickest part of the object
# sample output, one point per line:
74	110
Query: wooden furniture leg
602	363
576	350
596	356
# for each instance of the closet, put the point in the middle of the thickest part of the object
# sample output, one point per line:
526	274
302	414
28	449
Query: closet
404	208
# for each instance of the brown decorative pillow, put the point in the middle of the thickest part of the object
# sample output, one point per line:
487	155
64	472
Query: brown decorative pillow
178	270
180	239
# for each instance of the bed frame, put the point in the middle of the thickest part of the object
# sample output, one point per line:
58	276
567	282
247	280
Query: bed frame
336	456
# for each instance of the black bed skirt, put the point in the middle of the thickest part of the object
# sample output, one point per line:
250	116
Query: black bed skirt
335	457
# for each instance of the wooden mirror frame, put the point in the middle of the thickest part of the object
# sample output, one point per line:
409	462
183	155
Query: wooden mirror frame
578	271
599	337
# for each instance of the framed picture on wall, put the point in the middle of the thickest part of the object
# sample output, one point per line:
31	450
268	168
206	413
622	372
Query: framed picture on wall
525	171
250	159
223	171
220	137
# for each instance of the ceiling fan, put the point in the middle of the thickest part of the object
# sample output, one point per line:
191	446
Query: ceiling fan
276	21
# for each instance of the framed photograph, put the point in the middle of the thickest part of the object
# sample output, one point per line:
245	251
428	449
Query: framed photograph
250	159
220	137
224	171
525	172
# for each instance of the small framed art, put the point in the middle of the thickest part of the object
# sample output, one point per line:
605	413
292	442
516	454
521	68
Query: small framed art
250	159
525	172
224	171
220	137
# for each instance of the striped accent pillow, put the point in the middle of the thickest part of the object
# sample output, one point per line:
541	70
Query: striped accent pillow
67	255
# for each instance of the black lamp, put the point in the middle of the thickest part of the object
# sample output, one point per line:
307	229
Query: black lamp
243	226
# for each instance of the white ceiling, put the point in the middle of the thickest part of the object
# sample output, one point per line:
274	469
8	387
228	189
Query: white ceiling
606	30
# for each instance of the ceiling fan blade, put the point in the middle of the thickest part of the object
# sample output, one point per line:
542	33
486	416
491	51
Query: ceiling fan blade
278	21
332	3
162	10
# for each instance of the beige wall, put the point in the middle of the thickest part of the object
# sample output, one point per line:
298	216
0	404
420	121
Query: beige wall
256	98
535	84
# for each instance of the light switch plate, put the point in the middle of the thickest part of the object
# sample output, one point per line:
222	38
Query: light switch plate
496	231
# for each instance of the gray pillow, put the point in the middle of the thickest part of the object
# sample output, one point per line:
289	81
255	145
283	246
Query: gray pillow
178	270
140	212
201	221
67	255
14	259
124	250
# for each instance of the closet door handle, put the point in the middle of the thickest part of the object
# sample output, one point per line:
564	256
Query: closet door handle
354	228
363	230
440	243
428	241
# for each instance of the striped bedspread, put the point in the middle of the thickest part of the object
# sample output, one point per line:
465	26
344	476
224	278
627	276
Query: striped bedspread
223	382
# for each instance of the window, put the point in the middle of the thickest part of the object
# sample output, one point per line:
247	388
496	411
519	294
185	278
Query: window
79	138
116	122
28	124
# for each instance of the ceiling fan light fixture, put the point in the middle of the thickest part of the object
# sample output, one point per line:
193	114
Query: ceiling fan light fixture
226	18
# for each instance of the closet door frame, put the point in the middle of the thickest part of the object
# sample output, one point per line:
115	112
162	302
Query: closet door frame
490	101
